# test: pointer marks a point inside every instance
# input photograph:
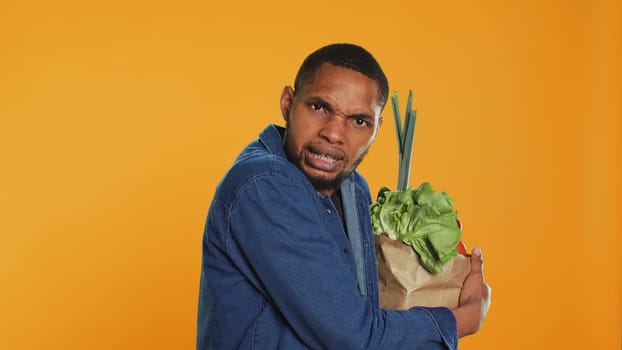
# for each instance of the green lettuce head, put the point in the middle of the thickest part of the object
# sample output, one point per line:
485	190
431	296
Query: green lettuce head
422	218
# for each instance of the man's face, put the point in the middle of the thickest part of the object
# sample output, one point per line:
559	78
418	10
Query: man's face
331	122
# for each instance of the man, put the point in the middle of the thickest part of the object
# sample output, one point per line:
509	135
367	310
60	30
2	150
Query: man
288	252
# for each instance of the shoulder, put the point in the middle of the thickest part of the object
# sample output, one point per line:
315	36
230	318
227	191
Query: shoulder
256	165
359	180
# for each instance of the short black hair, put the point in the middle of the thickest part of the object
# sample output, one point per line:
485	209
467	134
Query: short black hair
348	56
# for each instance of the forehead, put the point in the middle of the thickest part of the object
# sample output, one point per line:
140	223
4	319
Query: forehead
344	88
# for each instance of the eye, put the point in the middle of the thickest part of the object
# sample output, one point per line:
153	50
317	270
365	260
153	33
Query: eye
360	122
317	106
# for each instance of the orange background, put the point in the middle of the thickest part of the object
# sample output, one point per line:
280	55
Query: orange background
118	118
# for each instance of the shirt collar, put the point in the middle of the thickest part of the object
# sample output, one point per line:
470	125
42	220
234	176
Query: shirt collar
272	138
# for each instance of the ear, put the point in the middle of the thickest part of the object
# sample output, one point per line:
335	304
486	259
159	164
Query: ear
380	119
287	100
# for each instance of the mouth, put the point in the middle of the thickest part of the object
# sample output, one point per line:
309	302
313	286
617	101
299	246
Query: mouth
323	159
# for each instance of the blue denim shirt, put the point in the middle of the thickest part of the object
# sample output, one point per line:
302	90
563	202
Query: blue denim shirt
279	272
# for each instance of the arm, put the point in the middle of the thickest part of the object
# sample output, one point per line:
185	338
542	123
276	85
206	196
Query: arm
302	269
474	298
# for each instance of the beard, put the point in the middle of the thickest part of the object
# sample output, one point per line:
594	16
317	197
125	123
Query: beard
326	183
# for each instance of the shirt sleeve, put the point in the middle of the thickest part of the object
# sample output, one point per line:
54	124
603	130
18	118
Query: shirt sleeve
299	267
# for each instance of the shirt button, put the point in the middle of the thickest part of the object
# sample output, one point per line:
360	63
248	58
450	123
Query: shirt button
328	211
346	251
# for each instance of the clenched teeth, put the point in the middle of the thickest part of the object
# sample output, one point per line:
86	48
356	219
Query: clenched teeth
324	157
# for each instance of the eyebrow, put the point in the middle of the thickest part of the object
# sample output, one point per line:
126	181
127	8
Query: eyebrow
329	107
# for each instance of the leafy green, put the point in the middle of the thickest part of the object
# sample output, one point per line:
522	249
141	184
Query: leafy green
423	218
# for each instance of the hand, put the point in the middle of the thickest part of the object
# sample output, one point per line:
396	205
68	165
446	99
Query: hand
474	299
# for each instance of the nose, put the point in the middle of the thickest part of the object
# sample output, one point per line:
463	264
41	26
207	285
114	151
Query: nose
334	128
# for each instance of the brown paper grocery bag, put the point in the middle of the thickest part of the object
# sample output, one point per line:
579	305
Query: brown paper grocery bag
404	282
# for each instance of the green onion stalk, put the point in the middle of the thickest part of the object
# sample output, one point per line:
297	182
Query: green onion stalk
422	218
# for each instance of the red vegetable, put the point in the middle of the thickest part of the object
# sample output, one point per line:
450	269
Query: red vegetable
461	247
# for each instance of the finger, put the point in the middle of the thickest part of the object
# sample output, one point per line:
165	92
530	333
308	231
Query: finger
477	251
476	260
